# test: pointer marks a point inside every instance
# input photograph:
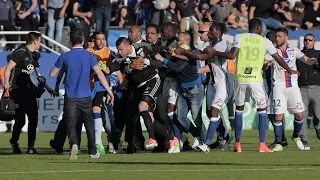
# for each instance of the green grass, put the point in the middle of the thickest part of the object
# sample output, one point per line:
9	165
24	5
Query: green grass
250	164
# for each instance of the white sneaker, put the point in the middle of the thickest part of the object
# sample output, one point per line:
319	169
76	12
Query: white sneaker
299	143
69	152
95	156
203	148
196	143
277	148
74	151
110	147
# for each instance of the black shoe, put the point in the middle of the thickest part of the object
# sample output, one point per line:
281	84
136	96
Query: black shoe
318	133
216	145
53	146
15	147
283	143
304	142
31	150
131	149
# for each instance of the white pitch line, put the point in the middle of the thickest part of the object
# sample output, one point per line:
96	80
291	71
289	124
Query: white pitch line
154	170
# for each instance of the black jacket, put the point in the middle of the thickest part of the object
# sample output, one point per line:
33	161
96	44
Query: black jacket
309	75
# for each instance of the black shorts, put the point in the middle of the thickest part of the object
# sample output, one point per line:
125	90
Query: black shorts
98	99
151	88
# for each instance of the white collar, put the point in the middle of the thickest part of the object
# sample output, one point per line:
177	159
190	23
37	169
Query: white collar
133	54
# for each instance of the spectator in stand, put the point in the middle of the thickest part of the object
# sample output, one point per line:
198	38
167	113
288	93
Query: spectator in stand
292	4
56	11
204	12
29	13
144	11
7	18
262	9
221	11
312	15
297	16
241	18
187	12
281	11
116	12
102	10
124	19
167	15
78	16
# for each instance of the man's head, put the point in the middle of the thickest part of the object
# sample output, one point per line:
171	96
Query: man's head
184	38
223	3
135	33
216	31
255	26
282	36
168	31
99	40
243	7
123	47
203	32
283	3
309	41
77	37
272	36
152	33
33	39
299	7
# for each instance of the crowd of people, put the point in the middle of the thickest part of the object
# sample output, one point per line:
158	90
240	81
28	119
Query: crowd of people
99	15
160	79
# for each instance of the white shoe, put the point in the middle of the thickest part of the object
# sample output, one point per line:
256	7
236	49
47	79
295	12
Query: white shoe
203	148
299	143
74	151
277	148
95	156
196	143
110	147
69	152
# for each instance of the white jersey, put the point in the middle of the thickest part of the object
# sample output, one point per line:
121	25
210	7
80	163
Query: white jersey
218	65
280	76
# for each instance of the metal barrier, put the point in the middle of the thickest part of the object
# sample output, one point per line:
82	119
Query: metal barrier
4	42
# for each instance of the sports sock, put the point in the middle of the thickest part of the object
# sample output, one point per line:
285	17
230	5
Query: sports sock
214	123
238	125
223	131
262	125
148	123
278	127
160	129
97	127
297	125
175	129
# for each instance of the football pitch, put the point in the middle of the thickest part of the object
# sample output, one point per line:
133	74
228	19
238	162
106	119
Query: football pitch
249	164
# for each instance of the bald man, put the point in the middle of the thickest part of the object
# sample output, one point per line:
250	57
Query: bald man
135	34
203	34
191	92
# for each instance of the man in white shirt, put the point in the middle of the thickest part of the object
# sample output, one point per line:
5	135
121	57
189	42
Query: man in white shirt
285	93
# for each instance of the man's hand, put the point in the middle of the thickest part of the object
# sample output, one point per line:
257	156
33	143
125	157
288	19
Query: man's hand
62	14
158	57
53	93
294	72
179	51
209	50
137	63
22	15
110	99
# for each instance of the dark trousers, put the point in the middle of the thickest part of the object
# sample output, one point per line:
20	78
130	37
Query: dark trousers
133	133
61	133
160	114
30	23
77	111
25	104
8	26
